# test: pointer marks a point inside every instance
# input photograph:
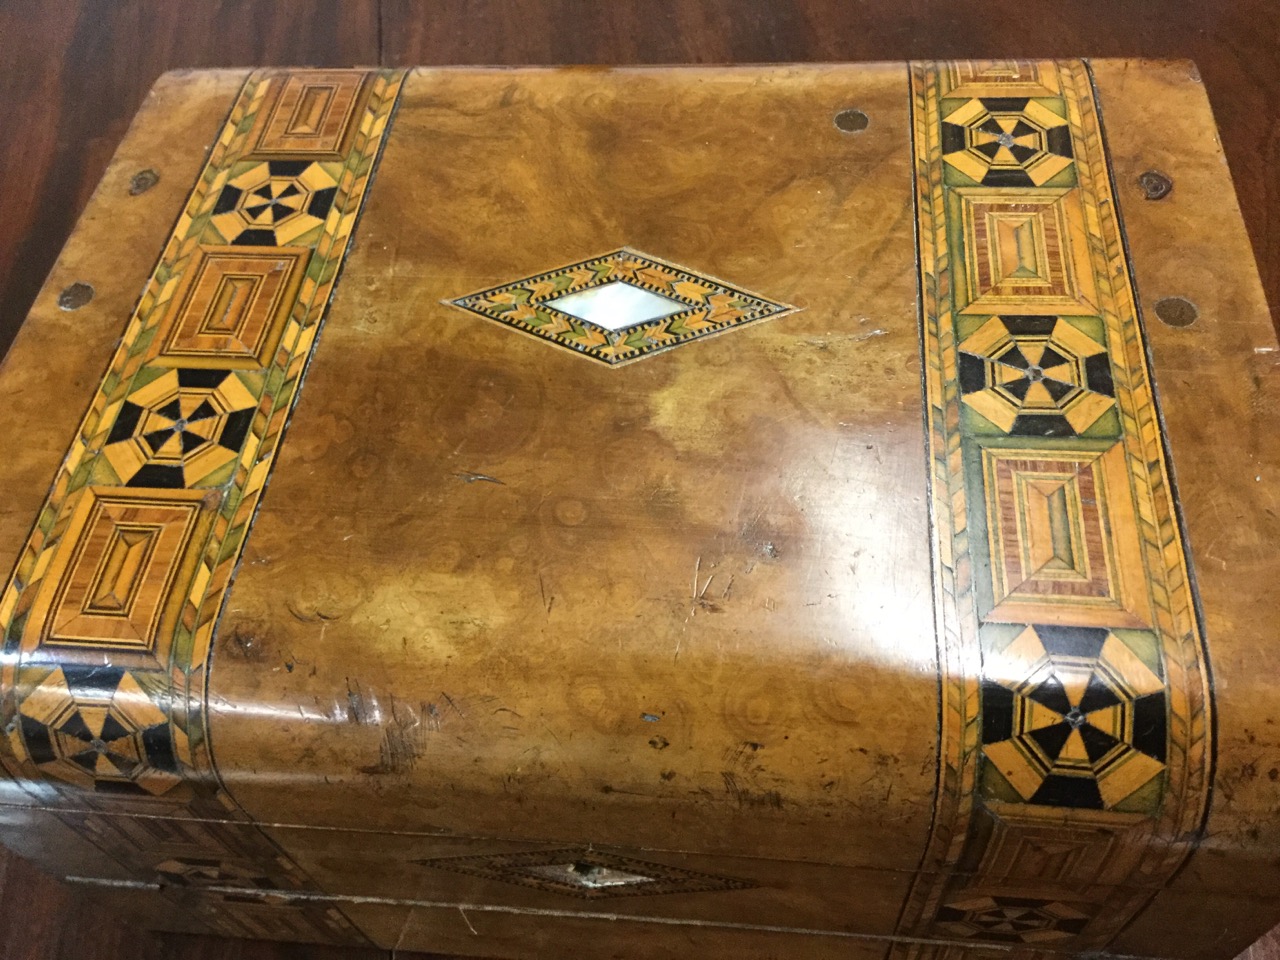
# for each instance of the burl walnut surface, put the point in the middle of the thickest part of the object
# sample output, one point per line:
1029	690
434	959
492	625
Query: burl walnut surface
1182	360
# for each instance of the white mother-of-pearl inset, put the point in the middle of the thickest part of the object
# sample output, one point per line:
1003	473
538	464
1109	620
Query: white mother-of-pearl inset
617	305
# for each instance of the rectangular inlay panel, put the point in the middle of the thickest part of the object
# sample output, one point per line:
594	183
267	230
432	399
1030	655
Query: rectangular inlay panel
116	568
232	306
311	116
1063	535
1025	253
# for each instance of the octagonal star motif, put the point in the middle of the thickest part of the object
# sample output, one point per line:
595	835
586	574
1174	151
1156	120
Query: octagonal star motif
1006	919
620	306
1008	142
1036	376
274	203
1073	717
95	727
181	429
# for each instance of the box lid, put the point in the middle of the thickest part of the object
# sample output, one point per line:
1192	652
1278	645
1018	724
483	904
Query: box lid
762	473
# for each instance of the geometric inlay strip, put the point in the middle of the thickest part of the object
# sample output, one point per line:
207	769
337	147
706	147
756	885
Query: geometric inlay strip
108	617
1076	732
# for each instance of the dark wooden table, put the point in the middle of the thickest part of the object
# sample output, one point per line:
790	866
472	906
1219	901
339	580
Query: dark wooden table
75	71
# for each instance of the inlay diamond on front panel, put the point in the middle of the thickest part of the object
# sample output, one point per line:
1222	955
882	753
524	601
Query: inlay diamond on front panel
620	306
586	874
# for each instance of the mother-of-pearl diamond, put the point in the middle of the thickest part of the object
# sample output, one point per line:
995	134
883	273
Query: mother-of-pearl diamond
590	875
617	305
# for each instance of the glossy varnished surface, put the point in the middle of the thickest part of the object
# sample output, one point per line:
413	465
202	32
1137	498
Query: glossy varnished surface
75	84
676	614
549	613
66	122
1220	370
193	106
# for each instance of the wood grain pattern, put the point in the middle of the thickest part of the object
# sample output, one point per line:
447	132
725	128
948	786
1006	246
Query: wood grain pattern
1197	393
146	543
42	919
67	120
695	34
1232	43
580	526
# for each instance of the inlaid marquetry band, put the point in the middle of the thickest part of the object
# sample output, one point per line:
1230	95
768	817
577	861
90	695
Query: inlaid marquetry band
108	617
1076	741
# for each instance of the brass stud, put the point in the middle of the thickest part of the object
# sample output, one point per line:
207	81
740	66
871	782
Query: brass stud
852	121
75	296
1154	185
1177	311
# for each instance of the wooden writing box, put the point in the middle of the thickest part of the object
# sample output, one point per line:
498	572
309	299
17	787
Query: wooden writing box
655	513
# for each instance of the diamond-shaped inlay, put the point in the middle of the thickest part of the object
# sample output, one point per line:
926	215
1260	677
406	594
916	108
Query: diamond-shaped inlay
617	305
208	871
620	306
586	874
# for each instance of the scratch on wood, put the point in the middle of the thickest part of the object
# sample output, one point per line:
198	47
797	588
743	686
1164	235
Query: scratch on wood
547	602
359	710
317	617
467	921
699	596
825	343
402	742
745	797
469	477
